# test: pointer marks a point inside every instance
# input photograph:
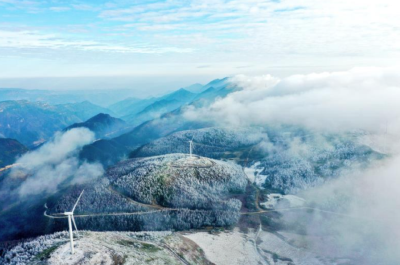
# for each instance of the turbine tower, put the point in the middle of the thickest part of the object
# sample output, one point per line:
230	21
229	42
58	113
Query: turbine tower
191	147
72	220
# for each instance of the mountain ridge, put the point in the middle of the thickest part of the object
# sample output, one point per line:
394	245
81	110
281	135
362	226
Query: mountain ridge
102	125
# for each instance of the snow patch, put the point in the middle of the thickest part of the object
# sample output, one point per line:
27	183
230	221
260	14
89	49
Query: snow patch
252	172
275	198
228	248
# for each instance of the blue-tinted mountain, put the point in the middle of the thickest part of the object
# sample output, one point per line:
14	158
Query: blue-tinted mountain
10	149
211	93
130	106
135	111
180	95
195	88
103	125
32	123
47	96
160	106
83	110
108	152
151	130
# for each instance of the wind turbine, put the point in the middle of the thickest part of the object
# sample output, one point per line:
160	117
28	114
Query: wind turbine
72	220
191	146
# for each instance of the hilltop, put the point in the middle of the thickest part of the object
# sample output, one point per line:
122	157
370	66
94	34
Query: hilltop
108	248
103	125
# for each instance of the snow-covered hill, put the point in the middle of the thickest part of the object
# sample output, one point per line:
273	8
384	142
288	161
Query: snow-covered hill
210	142
108	248
285	158
158	193
305	163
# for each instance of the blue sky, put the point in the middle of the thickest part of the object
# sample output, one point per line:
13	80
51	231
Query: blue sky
185	42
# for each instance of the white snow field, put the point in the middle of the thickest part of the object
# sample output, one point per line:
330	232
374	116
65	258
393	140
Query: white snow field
228	248
274	199
252	172
262	247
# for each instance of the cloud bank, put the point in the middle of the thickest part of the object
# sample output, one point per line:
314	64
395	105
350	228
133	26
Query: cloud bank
55	162
362	99
365	226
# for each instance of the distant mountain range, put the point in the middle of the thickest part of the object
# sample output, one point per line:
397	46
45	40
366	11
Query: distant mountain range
99	97
159	106
108	152
135	111
169	119
32	123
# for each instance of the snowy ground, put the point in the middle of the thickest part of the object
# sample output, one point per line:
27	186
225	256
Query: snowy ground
275	200
234	247
251	172
254	176
228	248
263	247
276	248
108	248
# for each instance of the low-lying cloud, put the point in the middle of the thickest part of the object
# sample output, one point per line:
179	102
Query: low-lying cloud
55	162
360	99
364	223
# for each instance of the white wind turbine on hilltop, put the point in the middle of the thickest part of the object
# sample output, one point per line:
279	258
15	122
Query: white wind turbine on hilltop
72	220
191	147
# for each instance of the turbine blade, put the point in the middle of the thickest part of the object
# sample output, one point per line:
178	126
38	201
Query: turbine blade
192	137
73	209
73	221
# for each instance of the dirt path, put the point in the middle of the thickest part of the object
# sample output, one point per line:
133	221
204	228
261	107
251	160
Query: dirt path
174	254
257	200
60	215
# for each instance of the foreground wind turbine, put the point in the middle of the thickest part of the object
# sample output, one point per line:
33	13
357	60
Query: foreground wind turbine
70	220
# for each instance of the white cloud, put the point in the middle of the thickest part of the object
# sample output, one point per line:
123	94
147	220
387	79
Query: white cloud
367	224
55	162
33	40
360	99
278	37
59	8
339	28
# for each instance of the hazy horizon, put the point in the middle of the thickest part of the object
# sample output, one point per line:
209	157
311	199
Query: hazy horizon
163	45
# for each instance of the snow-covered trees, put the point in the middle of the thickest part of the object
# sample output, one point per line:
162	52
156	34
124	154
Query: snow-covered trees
163	195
